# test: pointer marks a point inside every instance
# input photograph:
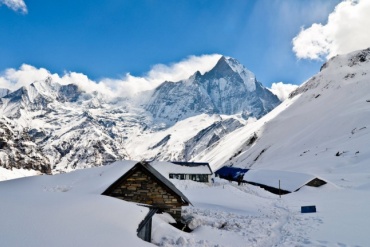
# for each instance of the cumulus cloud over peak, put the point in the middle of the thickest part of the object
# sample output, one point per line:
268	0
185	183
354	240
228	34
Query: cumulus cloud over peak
346	30
16	5
13	79
160	72
127	86
282	90
25	75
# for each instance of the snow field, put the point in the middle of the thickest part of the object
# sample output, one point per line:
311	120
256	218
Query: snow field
225	214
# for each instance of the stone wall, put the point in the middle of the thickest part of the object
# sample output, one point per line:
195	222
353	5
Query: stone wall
142	188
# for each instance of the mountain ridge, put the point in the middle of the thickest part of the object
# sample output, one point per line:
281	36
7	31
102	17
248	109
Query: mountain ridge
75	129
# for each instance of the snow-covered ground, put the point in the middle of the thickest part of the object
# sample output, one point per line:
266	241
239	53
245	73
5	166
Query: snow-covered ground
68	210
225	214
6	174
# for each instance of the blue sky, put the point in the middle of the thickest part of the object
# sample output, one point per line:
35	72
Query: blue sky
107	39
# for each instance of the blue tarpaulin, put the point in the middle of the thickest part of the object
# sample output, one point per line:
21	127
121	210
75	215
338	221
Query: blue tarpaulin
308	209
230	173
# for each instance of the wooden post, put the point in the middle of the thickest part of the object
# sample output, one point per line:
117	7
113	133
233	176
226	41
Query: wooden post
279	190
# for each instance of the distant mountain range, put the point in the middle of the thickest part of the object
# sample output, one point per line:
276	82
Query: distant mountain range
56	128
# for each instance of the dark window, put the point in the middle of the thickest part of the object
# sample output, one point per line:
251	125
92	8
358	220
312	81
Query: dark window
177	176
194	177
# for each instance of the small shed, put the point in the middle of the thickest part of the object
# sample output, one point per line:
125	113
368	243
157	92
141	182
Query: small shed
289	181
144	184
196	171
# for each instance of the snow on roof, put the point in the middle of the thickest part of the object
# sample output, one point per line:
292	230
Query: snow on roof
289	181
68	210
92	180
165	168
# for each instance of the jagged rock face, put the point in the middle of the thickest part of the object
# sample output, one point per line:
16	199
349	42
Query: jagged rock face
85	144
37	96
228	89
167	147
57	120
209	136
17	150
174	101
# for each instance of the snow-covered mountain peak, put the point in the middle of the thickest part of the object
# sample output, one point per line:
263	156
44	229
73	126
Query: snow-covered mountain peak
228	88
247	76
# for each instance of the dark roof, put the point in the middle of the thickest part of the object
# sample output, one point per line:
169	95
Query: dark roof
161	179
192	164
231	172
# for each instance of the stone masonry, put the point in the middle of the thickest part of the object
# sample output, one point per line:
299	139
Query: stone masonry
143	188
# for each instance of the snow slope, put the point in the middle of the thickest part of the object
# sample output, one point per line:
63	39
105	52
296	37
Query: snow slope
225	214
183	140
6	174
323	129
68	210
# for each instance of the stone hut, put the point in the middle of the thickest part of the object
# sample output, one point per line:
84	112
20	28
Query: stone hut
144	184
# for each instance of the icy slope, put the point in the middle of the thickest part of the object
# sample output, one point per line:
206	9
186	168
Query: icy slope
68	210
324	128
183	140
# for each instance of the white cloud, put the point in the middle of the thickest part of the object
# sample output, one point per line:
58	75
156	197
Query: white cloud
184	69
16	5
130	85
282	90
346	30
13	79
127	86
25	75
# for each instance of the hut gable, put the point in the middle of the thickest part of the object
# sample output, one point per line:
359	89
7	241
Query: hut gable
143	184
